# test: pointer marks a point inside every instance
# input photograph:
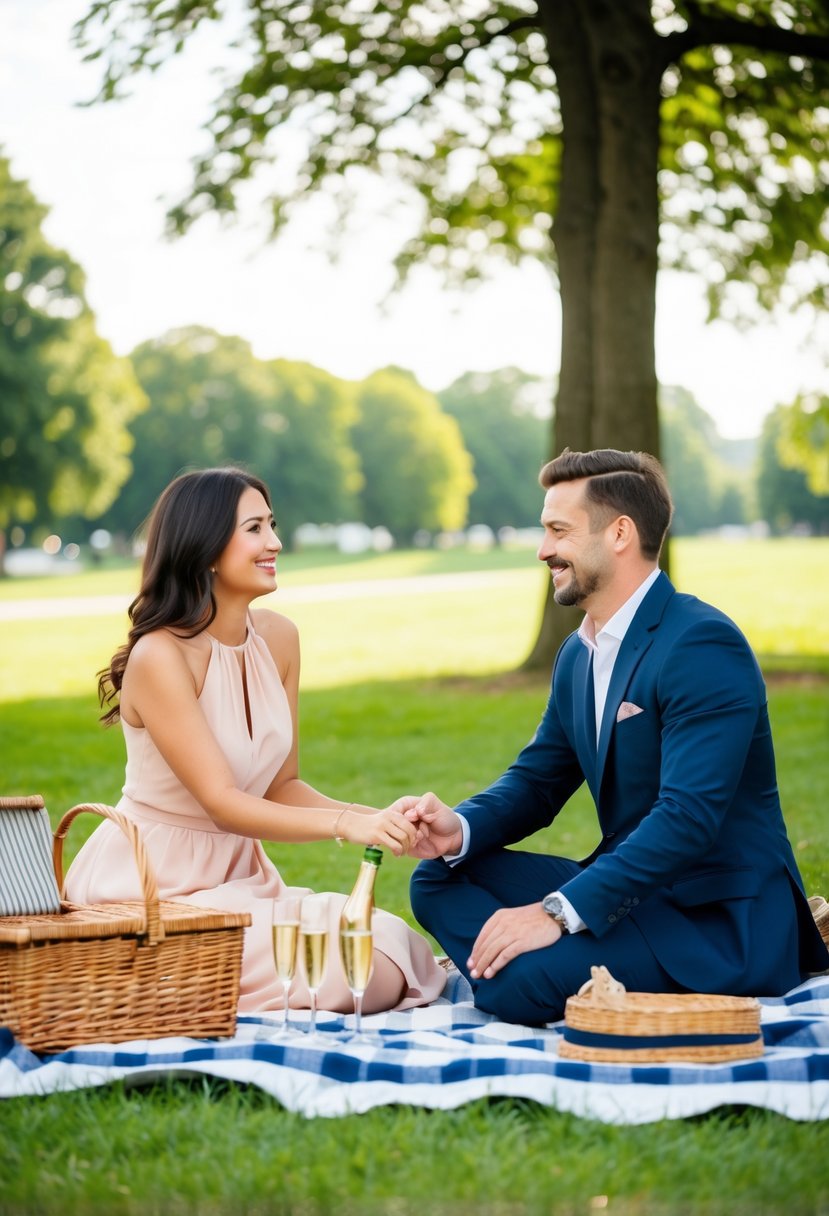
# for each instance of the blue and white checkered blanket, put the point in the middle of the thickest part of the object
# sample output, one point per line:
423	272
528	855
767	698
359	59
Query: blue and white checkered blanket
449	1053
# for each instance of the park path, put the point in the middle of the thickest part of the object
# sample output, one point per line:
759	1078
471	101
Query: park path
421	584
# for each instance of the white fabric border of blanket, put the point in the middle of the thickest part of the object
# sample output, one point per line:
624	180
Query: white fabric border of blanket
450	1053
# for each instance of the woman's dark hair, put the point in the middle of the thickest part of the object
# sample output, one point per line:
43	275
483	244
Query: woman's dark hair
620	483
188	529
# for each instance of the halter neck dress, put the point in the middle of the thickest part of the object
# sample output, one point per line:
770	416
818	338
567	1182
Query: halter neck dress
197	862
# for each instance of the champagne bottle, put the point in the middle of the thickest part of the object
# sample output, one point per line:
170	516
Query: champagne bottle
356	946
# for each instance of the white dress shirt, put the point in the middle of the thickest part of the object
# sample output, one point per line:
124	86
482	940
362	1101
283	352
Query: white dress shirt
604	646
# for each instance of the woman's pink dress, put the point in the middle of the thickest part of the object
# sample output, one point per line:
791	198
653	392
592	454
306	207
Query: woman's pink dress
198	863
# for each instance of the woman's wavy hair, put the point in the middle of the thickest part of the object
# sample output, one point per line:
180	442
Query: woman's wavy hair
187	530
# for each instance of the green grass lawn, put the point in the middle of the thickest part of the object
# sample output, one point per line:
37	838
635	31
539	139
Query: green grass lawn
381	715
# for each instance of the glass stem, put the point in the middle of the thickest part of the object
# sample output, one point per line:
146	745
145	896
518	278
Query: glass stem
358	1013
312	1028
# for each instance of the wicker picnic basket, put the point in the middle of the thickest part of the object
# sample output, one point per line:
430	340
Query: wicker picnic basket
109	972
605	1023
820	911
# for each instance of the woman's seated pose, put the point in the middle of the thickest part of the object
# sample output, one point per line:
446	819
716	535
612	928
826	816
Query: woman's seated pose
206	690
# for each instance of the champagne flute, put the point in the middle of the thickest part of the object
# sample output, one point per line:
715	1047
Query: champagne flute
314	928
357	953
285	938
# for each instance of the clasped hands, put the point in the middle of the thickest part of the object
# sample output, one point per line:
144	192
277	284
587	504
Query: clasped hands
509	931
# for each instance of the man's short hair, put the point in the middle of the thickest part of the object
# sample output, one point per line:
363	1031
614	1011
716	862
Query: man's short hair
619	483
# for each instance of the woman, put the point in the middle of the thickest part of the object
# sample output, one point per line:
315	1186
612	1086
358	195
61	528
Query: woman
206	691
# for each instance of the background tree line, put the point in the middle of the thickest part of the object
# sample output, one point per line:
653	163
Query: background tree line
88	439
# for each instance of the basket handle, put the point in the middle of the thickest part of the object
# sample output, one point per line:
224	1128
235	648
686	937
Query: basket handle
153	926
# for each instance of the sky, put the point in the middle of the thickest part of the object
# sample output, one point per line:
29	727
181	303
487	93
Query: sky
108	172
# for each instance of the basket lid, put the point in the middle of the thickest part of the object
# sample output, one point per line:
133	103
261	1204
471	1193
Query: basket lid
76	922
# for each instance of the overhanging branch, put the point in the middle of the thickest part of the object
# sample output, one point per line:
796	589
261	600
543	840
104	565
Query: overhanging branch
706	30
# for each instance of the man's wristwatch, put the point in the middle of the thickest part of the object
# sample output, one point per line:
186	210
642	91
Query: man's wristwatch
553	906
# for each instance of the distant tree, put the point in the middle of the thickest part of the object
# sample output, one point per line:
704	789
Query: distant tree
783	494
505	431
65	399
530	129
308	455
706	491
734	504
804	440
213	402
207	396
417	472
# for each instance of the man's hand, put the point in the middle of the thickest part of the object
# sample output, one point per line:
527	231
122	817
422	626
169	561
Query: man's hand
439	828
508	933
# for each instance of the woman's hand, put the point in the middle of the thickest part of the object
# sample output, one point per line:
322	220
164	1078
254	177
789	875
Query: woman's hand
387	829
439	829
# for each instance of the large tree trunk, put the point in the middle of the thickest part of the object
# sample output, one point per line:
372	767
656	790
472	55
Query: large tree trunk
606	59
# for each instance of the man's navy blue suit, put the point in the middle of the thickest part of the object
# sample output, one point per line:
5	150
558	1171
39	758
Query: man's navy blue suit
693	885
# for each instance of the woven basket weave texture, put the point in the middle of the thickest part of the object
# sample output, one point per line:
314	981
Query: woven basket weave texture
111	972
604	1022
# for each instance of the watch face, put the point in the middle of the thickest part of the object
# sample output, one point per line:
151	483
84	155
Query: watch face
552	905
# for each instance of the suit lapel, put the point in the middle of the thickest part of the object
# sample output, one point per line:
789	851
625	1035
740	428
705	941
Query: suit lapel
635	644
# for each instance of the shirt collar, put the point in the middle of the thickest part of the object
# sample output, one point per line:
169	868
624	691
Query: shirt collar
619	623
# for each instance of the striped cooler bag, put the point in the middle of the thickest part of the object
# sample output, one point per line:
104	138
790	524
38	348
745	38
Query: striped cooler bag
27	877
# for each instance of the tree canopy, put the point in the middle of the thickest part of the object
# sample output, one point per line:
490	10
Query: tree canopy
65	399
381	450
213	402
804	440
706	491
505	431
785	495
416	470
462	102
599	137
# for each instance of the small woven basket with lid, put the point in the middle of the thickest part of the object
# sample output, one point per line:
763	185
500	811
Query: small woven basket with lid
820	911
605	1023
109	972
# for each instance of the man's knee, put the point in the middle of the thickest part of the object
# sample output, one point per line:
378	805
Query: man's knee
522	992
427	881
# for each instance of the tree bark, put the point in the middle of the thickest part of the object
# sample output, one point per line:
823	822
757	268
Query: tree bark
608	67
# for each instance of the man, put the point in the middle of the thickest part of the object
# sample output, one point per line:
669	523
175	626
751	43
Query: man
658	704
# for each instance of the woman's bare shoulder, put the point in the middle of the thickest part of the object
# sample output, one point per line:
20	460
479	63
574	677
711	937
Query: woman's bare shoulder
281	637
163	646
274	627
162	665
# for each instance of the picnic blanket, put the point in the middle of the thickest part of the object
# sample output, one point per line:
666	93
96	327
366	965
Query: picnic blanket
449	1053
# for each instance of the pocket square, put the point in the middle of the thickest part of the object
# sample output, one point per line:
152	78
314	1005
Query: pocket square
628	710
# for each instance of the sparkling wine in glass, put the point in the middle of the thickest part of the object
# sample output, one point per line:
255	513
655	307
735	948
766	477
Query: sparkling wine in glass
314	929
357	949
285	941
356	939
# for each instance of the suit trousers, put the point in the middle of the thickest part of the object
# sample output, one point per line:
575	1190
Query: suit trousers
453	903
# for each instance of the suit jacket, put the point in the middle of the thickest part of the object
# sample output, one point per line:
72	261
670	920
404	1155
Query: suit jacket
693	846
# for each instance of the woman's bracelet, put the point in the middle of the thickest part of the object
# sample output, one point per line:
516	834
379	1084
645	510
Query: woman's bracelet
340	839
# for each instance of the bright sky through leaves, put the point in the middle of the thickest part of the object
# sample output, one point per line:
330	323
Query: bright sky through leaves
107	172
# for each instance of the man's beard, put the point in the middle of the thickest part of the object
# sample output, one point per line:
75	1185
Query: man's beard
574	593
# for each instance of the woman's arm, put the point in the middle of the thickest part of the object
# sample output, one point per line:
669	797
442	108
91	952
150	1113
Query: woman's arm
161	693
282	638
